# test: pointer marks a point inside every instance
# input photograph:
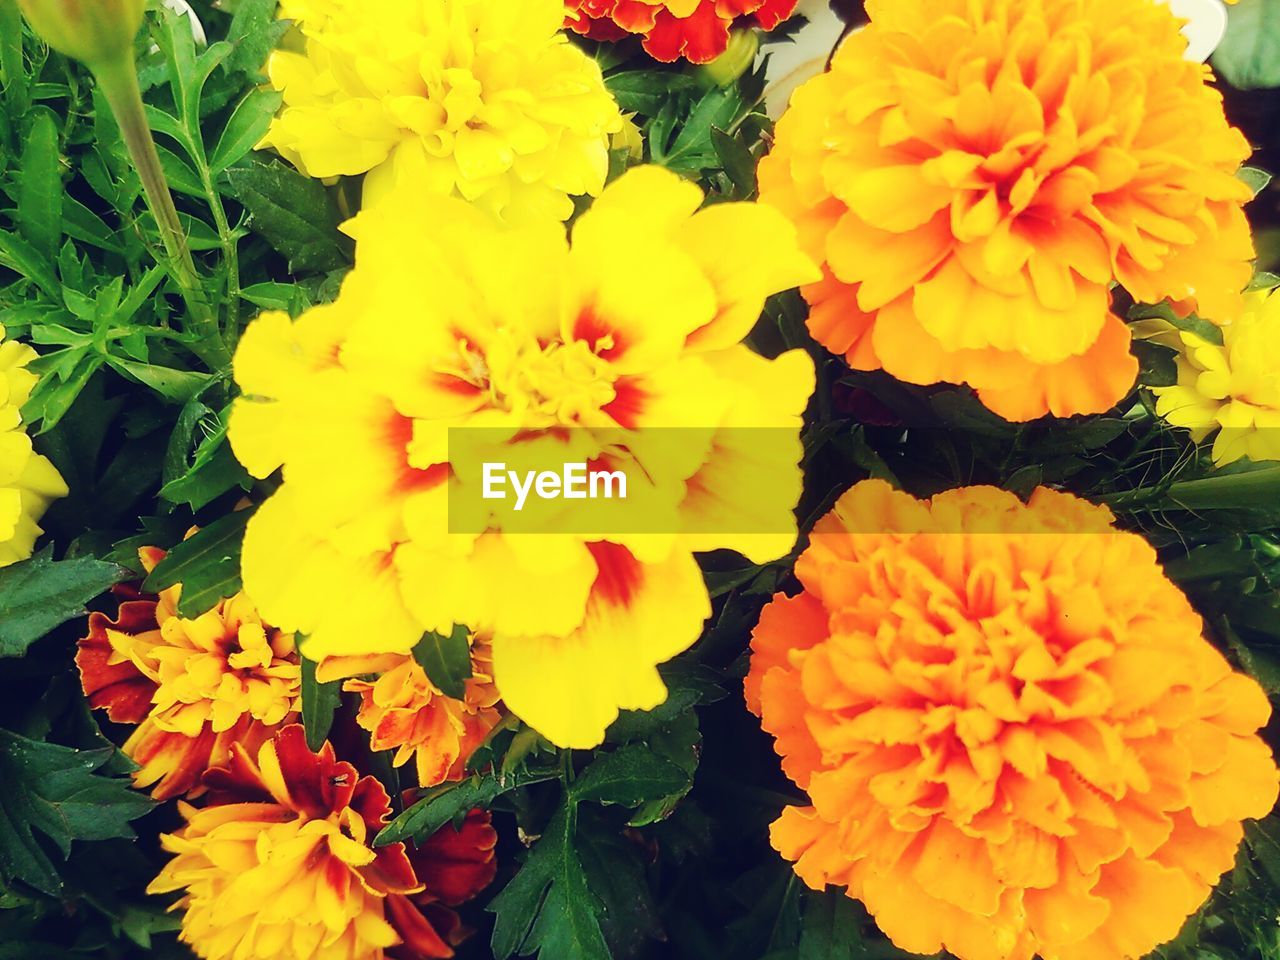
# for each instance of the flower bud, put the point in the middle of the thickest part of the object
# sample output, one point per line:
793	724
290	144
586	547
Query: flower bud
92	31
737	59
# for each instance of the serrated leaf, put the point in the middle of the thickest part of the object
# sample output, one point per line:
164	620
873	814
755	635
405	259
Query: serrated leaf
645	91
291	212
57	792
616	875
179	386
319	703
208	479
548	908
207	564
254	32
39	215
445	803
446	660
679	742
735	156
40	594
246	126
629	776
24	259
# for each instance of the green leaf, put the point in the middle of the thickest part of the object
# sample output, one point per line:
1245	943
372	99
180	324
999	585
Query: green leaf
207	564
832	928
679	742
39	215
548	908
446	660
291	212
13	71
271	295
56	791
211	476
178	386
739	164
248	125
629	776
615	873
449	801
319	704
1249	55
178	173
53	395
39	594
1190	323
645	91
254	32
1255	177
22	258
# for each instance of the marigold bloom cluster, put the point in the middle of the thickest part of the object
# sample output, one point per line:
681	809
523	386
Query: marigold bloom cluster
483	99
403	711
974	175
1231	391
281	864
1014	736
450	320
193	687
695	30
28	481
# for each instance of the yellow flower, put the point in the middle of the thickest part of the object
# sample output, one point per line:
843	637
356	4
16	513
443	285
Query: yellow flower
194	687
1232	390
975	174
449	320
482	99
28	481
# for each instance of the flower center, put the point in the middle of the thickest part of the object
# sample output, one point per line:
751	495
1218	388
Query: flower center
549	384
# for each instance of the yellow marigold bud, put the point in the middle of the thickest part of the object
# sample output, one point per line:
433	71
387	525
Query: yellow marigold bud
736	60
93	31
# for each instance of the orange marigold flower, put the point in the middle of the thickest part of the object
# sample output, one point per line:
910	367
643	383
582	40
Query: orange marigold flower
697	30
194	687
281	864
974	175
403	711
1015	738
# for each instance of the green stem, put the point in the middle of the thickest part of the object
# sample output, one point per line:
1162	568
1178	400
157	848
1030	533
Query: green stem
119	84
1247	490
230	254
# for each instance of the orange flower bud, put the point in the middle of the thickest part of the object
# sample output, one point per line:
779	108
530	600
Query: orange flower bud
92	31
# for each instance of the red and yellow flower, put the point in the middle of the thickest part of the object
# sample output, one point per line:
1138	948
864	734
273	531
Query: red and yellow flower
1015	738
450	321
403	711
194	687
695	30
280	864
975	175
